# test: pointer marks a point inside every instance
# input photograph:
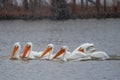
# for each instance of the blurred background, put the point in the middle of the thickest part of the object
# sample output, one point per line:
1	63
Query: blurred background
59	9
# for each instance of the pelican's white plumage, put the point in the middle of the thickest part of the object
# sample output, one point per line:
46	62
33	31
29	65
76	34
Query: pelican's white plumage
78	56
15	54
99	55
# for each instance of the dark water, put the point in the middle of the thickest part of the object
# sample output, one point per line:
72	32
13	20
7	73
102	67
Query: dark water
105	34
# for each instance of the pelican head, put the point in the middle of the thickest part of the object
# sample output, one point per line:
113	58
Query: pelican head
15	51
48	49
27	49
62	50
87	47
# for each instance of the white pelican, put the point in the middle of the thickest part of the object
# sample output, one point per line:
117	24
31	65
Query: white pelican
86	48
63	53
28	53
47	53
82	52
15	51
89	49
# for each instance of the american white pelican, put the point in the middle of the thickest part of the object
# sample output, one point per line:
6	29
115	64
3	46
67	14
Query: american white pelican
28	53
89	49
82	52
47	53
63	53
15	51
86	48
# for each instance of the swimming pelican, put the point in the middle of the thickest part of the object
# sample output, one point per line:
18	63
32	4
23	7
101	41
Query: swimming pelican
47	53
81	52
86	48
89	49
27	51
63	53
15	51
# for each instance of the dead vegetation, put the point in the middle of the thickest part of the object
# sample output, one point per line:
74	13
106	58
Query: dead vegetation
58	9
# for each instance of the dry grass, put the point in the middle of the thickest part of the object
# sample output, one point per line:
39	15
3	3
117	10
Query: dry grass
91	10
43	11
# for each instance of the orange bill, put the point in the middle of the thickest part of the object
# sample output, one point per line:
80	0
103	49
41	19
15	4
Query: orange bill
15	48
61	51
81	50
48	49
25	51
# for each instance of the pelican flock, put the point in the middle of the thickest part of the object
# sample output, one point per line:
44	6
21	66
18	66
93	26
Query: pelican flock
86	51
